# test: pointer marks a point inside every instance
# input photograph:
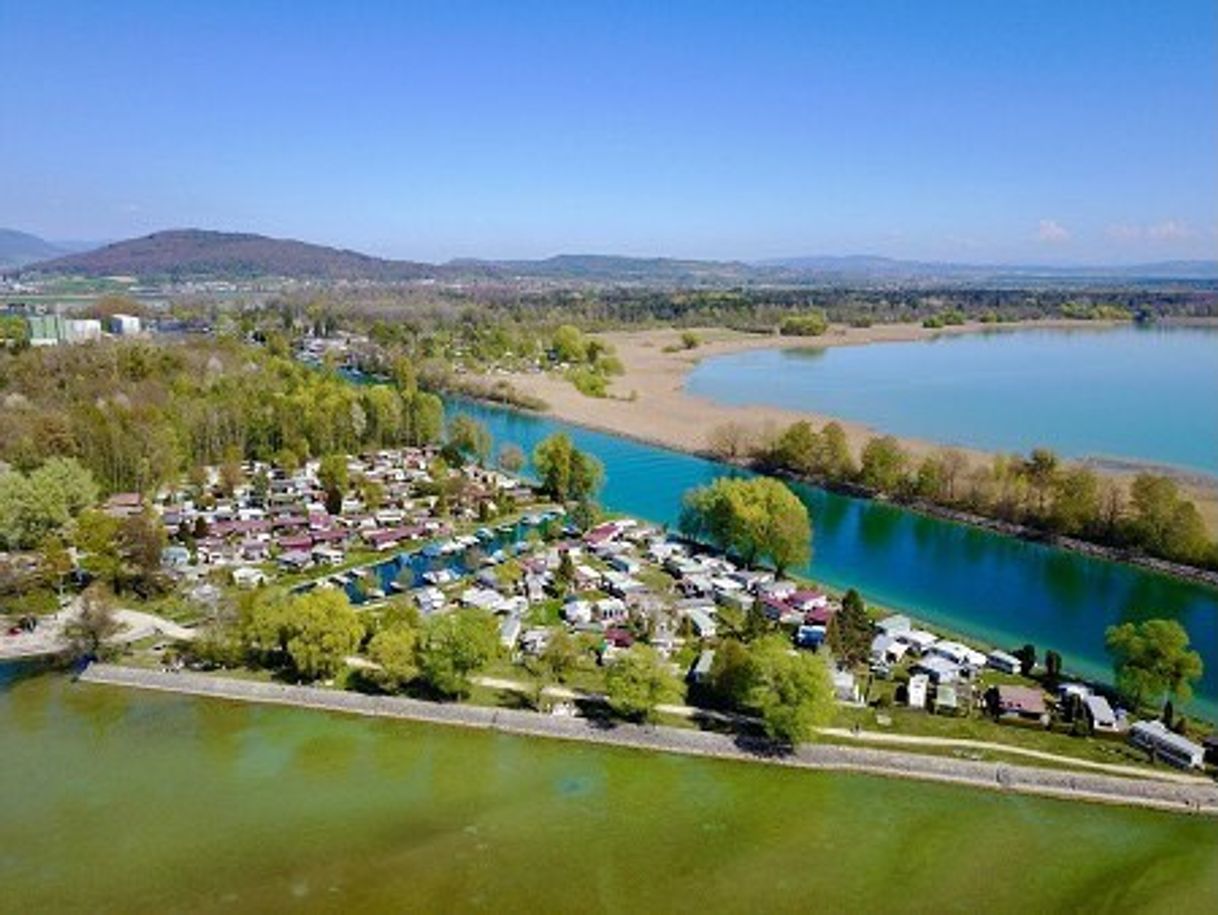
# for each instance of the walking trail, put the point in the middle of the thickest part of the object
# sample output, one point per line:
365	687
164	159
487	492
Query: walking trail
1191	797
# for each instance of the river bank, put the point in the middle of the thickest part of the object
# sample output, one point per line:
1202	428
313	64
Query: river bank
649	401
1198	798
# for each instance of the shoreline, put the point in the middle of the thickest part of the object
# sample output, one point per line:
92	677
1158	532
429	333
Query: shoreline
1200	798
665	415
675	418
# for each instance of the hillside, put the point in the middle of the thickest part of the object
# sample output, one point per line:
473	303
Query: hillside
181	254
201	254
20	248
614	268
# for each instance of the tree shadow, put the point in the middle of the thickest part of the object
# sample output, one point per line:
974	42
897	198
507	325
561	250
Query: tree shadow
763	747
597	714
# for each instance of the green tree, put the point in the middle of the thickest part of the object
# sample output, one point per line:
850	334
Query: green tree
469	438
404	375
755	518
396	649
323	629
884	464
96	537
54	562
1053	666
568	344
812	324
564	575
930	483
638	682
560	656
1152	658
797	448
94	622
731	673
1027	658
836	461
1041	469
454	646
567	474
333	474
425	418
33	506
791	690
1075	504
142	540
849	631
72	485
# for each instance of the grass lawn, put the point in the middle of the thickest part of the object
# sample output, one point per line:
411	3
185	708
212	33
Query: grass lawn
976	727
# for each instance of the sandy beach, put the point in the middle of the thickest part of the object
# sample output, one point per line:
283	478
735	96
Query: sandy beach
649	401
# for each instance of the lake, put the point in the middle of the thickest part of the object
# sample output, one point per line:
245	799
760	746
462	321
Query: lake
1142	394
122	801
998	589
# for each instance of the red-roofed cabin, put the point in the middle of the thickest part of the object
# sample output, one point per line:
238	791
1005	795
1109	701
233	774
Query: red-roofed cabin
619	637
820	616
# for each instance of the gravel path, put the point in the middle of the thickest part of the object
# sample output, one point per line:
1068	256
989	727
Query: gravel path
1192	797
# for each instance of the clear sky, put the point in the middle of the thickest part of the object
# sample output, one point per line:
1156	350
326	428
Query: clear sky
986	130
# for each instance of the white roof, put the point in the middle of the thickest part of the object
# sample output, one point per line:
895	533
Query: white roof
1004	658
1159	732
1100	710
895	623
919	637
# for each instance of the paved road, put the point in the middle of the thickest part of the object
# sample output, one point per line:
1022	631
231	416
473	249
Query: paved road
691	712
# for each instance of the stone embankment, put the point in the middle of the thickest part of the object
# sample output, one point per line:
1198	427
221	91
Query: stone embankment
1200	796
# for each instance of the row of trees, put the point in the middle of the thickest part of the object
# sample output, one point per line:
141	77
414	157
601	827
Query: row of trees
138	415
311	635
490	321
1040	490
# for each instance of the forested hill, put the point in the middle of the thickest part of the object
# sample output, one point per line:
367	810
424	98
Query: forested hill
197	253
183	254
19	248
616	269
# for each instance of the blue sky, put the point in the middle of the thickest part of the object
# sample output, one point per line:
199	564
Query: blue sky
975	131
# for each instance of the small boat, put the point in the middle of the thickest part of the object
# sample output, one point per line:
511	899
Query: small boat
440	577
375	594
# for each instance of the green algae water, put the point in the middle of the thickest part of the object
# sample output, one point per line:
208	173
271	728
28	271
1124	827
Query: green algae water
997	589
1130	393
123	801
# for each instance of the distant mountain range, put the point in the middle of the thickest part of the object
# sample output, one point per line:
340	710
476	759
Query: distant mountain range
181	254
864	265
201	254
20	248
